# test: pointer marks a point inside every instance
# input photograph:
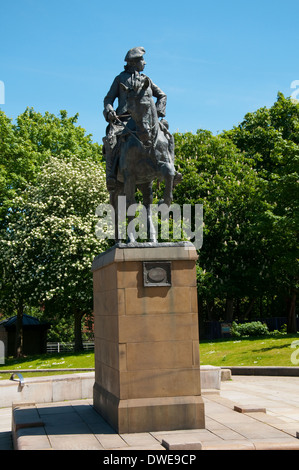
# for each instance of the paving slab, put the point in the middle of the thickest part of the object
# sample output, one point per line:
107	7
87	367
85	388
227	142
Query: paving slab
74	424
181	442
31	438
249	409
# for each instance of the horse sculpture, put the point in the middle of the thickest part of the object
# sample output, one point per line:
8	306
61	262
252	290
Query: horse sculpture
144	155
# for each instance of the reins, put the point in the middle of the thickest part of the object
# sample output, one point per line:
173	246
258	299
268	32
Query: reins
133	133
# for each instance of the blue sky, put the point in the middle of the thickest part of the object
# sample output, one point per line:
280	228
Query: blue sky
215	60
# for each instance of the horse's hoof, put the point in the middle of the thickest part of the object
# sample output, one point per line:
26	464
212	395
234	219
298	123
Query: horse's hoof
178	177
165	201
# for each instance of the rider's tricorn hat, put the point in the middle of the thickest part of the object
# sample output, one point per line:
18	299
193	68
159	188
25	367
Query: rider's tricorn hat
135	53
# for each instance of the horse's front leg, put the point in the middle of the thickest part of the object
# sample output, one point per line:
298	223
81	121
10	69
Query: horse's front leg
147	193
168	196
129	190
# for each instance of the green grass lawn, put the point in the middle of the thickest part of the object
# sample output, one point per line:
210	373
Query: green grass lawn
270	350
48	361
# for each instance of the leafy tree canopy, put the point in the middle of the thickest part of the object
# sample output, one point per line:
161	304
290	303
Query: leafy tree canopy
269	137
50	242
31	141
219	176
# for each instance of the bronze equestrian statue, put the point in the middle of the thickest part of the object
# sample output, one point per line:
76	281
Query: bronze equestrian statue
138	147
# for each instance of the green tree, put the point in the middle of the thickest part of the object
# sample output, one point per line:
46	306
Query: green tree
50	241
29	142
219	176
269	137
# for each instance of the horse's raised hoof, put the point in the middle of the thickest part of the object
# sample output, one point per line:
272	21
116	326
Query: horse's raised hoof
178	177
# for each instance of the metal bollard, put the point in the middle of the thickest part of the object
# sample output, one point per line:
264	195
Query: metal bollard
21	381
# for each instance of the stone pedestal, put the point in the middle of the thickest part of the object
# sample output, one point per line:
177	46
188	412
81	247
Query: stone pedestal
147	375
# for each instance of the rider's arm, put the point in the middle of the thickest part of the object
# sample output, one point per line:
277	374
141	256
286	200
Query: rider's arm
161	100
110	98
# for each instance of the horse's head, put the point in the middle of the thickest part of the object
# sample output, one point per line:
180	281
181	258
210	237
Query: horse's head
141	106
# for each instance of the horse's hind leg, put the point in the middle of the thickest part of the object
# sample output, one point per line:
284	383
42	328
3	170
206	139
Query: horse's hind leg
147	193
168	189
129	190
114	202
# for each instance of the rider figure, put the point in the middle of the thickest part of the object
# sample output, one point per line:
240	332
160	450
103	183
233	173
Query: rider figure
118	119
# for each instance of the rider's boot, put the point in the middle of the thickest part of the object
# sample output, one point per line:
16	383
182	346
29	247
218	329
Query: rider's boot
110	167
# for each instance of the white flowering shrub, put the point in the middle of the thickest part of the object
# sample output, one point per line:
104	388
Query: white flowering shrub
50	242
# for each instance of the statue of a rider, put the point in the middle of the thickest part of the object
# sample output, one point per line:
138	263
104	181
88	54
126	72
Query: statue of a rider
119	120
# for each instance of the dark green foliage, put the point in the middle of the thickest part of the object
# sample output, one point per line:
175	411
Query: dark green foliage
29	142
245	178
255	328
247	181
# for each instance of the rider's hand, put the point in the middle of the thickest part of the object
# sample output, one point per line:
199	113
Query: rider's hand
112	115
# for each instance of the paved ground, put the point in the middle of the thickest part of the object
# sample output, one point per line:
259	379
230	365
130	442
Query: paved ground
75	424
5	429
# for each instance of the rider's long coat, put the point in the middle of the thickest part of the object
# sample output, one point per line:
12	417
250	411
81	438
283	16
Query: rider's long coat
117	92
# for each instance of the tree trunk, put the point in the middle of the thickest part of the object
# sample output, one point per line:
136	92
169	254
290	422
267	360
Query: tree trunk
78	331
291	314
238	310
210	310
229	309
249	308
261	307
200	316
19	330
